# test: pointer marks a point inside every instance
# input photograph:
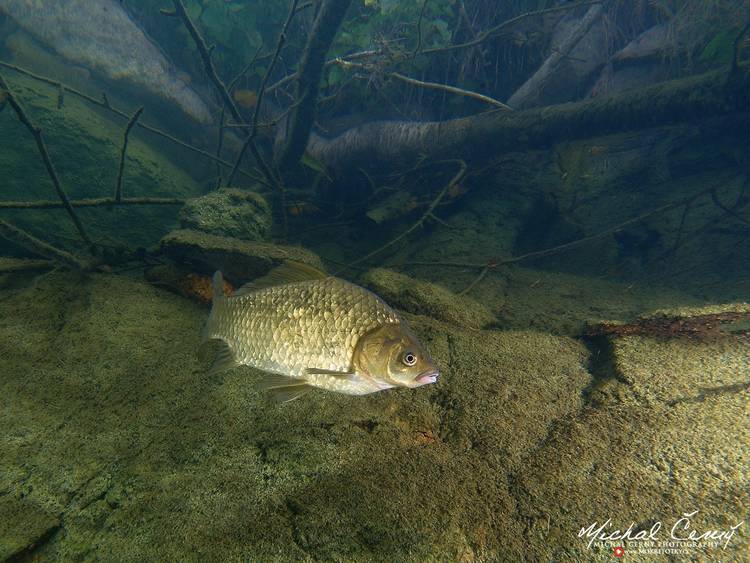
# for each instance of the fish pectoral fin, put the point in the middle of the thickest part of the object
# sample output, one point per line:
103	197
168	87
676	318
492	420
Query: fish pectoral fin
332	373
224	358
283	388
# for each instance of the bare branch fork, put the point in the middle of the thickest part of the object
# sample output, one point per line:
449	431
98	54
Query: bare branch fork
205	54
39	247
37	134
131	123
104	103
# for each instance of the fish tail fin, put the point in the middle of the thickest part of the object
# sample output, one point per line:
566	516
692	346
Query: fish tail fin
224	358
218	300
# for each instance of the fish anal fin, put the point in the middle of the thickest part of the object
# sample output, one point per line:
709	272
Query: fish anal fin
289	393
287	272
283	388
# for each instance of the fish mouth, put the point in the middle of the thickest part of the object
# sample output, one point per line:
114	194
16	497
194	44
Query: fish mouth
427	377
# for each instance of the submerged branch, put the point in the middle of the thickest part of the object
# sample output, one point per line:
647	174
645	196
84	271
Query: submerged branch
398	144
205	53
39	247
95	202
426	215
451	89
327	22
9	265
131	122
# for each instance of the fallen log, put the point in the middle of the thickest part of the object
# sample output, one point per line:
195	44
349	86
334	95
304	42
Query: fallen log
395	144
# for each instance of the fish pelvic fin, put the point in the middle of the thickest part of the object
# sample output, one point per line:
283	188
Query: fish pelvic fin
223	360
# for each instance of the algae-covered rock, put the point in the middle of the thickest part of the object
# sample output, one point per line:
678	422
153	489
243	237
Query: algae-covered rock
425	298
228	212
664	435
525	440
239	260
172	463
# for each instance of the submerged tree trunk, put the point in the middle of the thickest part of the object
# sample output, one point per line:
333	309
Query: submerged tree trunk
394	144
327	22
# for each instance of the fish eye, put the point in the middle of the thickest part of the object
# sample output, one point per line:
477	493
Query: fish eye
409	359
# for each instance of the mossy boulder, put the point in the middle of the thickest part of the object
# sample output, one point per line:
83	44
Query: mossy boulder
522	442
228	212
664	433
239	260
425	298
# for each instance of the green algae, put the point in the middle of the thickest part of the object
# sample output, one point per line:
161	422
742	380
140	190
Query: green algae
522	442
229	212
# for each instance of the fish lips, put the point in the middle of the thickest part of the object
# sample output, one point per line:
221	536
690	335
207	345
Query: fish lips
427	377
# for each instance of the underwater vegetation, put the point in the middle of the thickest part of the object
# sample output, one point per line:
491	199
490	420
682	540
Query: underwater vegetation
525	224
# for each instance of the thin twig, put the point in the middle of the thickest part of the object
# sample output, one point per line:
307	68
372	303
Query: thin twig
205	54
486	34
725	209
126	134
419	28
250	140
451	89
37	134
39	247
477	279
104	103
427	214
493	264
94	202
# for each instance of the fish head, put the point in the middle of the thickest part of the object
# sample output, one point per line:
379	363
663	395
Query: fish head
392	354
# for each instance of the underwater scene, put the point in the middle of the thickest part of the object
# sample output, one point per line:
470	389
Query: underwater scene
374	280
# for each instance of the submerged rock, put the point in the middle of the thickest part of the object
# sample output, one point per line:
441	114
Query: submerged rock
525	440
425	298
238	260
229	212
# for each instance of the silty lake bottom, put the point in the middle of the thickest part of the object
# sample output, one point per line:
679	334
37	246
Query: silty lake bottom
554	196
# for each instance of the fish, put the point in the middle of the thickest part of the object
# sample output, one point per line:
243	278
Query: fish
100	36
246	98
308	329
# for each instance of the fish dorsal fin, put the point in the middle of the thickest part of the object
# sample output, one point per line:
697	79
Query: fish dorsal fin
287	272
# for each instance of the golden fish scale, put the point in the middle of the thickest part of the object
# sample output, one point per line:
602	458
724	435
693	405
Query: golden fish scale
313	324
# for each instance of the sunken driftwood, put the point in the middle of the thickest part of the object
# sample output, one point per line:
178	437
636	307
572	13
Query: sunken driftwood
389	144
709	325
41	248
